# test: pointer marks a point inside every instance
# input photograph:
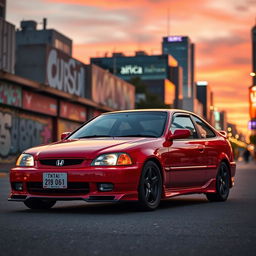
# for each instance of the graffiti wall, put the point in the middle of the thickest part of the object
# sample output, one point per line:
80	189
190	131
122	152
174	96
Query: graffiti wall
111	91
66	126
65	73
10	94
39	103
19	131
72	111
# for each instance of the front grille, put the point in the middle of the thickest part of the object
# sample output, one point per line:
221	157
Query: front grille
74	188
67	162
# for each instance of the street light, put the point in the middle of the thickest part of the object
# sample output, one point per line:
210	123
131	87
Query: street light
252	74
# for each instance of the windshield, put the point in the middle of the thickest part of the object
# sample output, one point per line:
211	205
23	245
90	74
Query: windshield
130	124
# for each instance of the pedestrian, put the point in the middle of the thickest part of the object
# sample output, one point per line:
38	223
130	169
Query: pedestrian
246	155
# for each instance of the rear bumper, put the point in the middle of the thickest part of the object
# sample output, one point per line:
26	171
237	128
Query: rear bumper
125	180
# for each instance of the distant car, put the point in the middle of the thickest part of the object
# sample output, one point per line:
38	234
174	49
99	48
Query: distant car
136	155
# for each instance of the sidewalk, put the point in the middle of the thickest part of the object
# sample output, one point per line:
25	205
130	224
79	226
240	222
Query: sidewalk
243	165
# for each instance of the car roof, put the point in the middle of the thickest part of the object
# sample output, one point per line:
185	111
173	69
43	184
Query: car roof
150	110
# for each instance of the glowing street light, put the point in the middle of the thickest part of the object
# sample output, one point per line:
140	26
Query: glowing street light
252	74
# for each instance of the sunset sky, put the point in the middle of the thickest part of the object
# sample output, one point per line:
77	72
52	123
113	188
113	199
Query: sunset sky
219	28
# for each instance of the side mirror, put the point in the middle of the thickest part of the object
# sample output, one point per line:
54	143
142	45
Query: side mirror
224	134
64	135
179	134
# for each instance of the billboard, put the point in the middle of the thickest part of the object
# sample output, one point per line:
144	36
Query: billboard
72	111
65	73
39	103
252	101
111	91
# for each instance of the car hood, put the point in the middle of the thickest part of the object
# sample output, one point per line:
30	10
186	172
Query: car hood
85	148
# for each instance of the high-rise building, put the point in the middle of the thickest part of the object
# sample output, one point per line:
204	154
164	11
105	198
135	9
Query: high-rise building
7	41
204	96
160	73
181	48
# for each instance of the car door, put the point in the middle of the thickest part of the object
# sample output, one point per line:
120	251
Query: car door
186	157
208	138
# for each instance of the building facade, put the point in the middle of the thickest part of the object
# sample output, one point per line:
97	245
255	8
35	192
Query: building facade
158	73
204	96
52	93
7	41
183	50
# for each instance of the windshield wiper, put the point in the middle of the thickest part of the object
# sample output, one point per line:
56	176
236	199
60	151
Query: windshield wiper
138	135
94	136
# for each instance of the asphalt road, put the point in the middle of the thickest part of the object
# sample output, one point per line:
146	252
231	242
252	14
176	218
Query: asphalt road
187	225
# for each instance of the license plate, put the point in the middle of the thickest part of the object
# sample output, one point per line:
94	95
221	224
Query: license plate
54	180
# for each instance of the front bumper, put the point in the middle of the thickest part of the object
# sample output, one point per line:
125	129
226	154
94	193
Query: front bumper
124	178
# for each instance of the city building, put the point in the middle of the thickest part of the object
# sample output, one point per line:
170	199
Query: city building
52	93
181	48
7	41
204	96
220	120
160	73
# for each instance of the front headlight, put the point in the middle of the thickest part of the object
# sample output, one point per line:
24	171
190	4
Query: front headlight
25	160
112	159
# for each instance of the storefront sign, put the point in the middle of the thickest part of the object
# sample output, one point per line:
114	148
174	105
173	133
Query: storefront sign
39	103
140	70
72	111
131	70
65	73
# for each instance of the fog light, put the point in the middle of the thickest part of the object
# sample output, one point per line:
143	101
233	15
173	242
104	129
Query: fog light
103	187
18	186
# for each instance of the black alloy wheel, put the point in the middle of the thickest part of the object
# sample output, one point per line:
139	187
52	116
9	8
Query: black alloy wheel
222	185
150	187
39	204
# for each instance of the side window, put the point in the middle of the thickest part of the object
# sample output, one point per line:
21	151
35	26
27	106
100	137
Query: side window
184	122
204	130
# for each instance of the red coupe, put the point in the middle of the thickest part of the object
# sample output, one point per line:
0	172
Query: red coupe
137	155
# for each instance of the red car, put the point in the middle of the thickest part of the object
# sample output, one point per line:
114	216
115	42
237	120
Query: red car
137	155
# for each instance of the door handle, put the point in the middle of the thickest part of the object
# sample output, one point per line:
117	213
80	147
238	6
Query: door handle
201	148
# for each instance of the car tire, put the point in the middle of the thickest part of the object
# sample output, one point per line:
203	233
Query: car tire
222	185
150	187
39	204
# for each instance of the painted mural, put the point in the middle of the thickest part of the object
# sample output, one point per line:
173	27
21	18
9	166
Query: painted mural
19	131
10	94
111	91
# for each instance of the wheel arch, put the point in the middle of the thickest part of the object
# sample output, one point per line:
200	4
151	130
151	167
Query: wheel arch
226	161
158	163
